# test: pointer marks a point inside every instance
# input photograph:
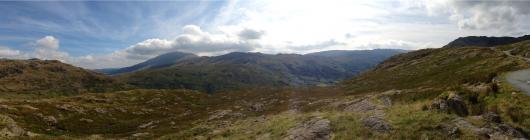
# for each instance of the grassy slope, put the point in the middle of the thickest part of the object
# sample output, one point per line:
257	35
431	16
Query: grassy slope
50	77
438	68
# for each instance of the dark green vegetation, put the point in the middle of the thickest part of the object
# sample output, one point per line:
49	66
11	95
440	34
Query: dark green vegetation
243	70
446	93
44	76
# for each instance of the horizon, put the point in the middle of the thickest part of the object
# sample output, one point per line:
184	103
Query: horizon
119	34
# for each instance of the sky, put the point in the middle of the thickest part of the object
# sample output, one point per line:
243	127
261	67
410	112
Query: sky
97	34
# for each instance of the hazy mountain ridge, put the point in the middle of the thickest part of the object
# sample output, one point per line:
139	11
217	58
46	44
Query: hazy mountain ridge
238	69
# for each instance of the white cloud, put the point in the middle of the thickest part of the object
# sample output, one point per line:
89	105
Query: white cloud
49	42
49	54
46	48
500	15
6	52
193	40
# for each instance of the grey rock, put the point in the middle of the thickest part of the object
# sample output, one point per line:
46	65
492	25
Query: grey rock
314	129
491	117
377	124
258	107
361	106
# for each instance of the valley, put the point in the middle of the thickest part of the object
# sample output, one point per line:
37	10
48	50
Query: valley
442	93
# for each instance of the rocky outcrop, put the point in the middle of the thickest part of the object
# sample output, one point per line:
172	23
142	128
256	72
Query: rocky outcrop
9	128
219	114
493	129
377	124
314	129
361	106
453	103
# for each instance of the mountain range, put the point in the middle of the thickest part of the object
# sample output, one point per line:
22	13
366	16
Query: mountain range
238	69
437	93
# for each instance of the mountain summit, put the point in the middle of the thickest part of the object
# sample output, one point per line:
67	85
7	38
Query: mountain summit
484	41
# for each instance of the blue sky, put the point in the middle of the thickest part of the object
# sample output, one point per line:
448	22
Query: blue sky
116	34
98	27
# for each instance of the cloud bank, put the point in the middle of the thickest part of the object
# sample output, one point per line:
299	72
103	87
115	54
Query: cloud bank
503	15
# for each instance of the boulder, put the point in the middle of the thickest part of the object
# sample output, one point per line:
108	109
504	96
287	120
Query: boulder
491	117
453	103
457	105
258	107
377	124
361	106
314	129
9	128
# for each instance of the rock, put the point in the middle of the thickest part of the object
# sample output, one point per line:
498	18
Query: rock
29	107
386	100
450	104
9	128
451	131
454	131
456	104
491	117
377	124
101	110
141	134
69	107
219	114
361	106
491	130
258	107
509	131
146	125
86	120
50	120
314	129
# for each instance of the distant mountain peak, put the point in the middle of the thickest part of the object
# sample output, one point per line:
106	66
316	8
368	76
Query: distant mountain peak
484	41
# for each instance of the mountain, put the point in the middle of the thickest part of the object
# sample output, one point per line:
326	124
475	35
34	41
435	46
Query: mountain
50	77
443	93
358	59
163	60
483	41
238	70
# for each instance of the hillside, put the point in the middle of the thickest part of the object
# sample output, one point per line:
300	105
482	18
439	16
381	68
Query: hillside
483	41
237	70
444	67
451	96
50	77
445	93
